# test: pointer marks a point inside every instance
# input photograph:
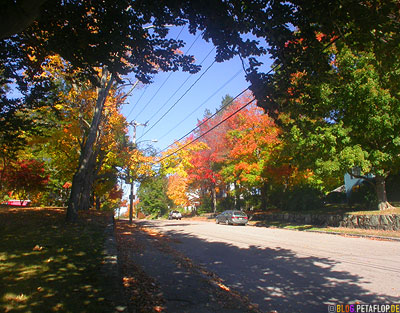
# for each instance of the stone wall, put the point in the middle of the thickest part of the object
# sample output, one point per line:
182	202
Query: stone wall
381	222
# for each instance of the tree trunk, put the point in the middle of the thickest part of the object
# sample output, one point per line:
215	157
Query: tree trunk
214	198
383	203
94	166
264	194
237	197
85	202
82	177
98	203
74	197
131	201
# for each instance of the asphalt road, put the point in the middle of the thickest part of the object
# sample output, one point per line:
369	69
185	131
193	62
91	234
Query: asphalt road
291	271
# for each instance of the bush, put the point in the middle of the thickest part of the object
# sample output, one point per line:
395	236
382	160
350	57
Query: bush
335	197
226	203
363	195
299	198
252	201
303	198
206	205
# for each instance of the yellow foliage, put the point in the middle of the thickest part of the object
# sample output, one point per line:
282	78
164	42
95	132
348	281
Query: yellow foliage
177	190
141	165
176	160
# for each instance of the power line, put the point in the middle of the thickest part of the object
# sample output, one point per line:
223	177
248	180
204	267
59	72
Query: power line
207	119
155	94
176	38
205	133
241	108
204	102
218	111
133	107
164	82
179	88
176	102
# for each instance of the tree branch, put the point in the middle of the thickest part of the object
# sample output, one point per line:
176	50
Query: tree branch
15	16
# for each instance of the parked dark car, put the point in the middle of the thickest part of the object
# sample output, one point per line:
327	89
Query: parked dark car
174	215
232	217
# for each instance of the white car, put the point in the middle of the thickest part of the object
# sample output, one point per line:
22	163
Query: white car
174	215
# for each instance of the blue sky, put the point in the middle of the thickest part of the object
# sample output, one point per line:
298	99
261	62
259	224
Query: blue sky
151	102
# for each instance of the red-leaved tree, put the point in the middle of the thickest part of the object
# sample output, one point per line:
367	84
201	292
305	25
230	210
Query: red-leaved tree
25	178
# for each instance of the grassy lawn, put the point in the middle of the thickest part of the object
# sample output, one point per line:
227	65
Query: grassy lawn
339	209
359	232
49	266
395	210
341	230
332	209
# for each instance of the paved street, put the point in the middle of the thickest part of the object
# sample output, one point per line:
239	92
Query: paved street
291	271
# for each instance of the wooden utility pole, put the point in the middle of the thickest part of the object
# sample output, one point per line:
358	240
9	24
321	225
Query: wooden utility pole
134	124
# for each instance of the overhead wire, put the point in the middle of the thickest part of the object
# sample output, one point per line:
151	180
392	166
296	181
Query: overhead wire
177	101
217	111
225	119
165	81
205	133
204	102
207	119
179	88
133	107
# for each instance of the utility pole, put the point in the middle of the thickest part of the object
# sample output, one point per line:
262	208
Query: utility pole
131	195
134	124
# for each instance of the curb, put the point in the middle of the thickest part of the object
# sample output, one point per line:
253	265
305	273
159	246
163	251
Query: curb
110	270
355	235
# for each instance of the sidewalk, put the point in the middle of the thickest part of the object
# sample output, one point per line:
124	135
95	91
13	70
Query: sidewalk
174	283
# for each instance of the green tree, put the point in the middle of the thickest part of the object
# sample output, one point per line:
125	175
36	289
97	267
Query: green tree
153	197
352	119
298	32
306	81
227	100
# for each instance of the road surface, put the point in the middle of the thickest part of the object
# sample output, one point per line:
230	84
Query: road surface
291	271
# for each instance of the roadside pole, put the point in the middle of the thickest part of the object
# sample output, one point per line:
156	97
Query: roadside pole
134	124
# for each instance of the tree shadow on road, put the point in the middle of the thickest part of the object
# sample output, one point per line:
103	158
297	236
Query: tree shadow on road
278	278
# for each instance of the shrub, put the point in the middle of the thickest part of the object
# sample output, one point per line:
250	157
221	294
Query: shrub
299	198
226	203
302	198
205	206
335	197
363	195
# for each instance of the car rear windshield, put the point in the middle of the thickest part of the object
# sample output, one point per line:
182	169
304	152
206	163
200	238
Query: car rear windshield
238	213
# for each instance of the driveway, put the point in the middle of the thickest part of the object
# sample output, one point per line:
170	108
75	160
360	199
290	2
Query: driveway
290	271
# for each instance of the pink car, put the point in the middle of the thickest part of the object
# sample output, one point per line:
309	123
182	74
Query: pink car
18	202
